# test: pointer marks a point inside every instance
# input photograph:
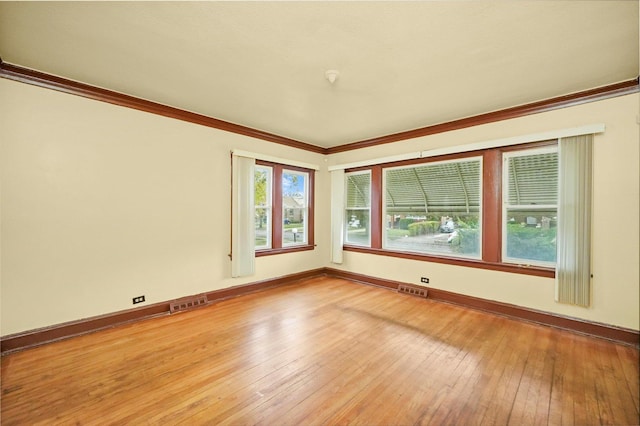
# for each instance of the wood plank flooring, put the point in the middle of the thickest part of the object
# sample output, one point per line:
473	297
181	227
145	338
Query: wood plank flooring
325	351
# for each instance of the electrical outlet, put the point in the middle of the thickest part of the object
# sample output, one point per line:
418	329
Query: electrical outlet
424	280
138	299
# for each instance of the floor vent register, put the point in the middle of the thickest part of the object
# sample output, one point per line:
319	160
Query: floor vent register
413	290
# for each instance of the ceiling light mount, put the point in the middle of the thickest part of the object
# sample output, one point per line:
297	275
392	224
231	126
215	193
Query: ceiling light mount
332	75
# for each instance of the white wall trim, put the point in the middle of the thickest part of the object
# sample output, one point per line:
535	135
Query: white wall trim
272	159
390	159
514	140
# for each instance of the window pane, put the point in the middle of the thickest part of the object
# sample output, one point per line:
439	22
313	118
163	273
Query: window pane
357	223
294	230
294	207
358	227
530	213
263	228
262	199
434	208
533	179
531	234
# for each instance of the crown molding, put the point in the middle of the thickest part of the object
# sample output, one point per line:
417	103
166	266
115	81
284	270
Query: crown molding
48	81
591	95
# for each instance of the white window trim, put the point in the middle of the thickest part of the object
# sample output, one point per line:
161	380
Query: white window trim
268	207
272	159
506	206
494	143
346	207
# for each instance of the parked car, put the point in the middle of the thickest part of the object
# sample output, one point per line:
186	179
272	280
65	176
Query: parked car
447	227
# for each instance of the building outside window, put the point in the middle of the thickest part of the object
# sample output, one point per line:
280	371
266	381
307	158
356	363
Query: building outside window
283	198
295	192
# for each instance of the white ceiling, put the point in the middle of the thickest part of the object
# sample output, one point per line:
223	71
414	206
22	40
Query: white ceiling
403	65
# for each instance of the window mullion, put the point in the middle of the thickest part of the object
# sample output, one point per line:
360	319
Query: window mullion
310	209
491	206
376	207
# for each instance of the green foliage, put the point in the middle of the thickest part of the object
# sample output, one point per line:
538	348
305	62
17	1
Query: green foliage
260	188
532	243
469	223
260	195
423	228
405	222
466	241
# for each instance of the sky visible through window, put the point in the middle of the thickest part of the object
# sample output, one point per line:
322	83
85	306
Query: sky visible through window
293	183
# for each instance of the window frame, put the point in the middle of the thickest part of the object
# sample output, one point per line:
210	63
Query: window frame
491	213
506	206
268	206
277	246
345	229
385	192
305	208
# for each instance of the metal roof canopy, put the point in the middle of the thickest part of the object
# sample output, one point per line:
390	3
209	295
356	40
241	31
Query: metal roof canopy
455	187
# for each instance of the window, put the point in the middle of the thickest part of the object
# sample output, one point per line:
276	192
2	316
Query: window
295	193
493	208
283	208
433	208
262	201
530	200
358	208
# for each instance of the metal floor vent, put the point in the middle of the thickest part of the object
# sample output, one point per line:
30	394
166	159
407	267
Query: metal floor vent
188	303
413	290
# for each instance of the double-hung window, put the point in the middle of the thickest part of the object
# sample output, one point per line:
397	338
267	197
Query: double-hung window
295	207
358	208
263	204
283	198
530	206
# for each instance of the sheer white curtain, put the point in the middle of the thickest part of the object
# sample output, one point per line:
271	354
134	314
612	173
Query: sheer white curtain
242	216
337	214
573	270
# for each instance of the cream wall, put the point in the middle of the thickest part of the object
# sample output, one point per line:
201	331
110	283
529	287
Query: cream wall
616	233
102	203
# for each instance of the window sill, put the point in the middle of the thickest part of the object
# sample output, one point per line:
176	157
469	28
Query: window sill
471	263
282	250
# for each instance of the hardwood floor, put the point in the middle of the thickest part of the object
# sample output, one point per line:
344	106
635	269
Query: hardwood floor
326	351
